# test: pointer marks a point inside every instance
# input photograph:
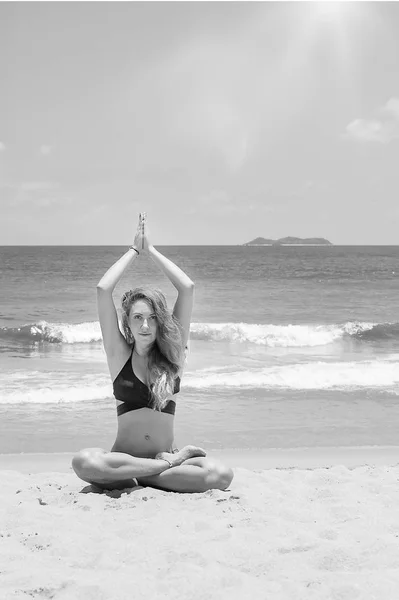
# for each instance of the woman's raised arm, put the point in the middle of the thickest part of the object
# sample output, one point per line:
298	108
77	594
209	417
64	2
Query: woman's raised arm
185	286
113	340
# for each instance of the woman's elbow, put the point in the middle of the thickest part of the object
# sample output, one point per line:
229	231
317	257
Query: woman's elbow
100	287
185	285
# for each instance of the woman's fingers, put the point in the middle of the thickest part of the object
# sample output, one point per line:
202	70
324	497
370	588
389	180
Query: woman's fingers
138	238
143	217
143	230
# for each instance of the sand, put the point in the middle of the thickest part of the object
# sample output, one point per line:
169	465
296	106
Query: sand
312	524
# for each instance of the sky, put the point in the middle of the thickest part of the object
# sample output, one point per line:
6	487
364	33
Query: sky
224	121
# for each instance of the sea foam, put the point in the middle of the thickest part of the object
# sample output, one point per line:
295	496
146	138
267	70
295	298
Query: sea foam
381	375
305	376
285	336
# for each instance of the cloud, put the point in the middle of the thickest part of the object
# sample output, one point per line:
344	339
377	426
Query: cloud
219	202
2	147
382	129
212	203
46	201
45	149
39	194
31	186
392	106
369	131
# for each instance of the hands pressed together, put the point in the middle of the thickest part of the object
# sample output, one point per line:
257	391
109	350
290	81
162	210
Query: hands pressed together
141	239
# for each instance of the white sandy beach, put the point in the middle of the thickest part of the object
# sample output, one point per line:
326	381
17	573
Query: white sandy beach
318	523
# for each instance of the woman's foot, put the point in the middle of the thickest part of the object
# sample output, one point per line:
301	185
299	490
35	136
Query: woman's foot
179	457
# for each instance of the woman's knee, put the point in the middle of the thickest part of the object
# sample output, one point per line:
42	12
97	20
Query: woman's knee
219	476
213	474
87	462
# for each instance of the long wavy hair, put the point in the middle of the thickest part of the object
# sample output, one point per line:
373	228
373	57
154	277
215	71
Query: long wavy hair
166	356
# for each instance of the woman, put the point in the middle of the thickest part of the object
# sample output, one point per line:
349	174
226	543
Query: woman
146	365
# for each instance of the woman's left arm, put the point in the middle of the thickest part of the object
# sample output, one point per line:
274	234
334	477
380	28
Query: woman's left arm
185	288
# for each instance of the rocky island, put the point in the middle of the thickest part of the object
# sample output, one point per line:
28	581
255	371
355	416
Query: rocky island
289	241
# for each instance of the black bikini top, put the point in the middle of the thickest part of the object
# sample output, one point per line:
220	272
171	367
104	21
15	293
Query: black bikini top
135	394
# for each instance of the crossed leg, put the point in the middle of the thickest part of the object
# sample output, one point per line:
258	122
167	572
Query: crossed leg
193	475
115	470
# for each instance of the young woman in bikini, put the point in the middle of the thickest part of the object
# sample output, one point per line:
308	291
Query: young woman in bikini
146	364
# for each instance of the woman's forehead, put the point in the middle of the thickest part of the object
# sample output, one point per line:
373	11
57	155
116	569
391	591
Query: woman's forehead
141	306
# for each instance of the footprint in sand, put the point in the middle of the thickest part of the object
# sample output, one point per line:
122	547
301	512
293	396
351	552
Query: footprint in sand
295	549
328	534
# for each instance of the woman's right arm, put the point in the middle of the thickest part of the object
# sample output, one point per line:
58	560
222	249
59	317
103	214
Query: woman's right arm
113	339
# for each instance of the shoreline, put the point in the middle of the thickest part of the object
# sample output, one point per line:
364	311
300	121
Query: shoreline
251	459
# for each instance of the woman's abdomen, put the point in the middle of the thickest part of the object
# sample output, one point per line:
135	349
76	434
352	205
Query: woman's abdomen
144	433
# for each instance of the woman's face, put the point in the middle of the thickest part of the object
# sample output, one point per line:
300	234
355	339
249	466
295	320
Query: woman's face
143	323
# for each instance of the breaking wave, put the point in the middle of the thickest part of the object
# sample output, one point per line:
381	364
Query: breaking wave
378	375
284	336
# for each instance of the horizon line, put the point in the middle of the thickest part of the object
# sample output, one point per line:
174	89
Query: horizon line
244	245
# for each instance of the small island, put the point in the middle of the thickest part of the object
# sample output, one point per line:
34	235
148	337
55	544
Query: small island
289	241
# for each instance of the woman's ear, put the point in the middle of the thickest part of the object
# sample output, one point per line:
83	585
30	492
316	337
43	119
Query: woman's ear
128	334
186	353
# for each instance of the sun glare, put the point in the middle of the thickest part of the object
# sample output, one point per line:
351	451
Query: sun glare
343	26
335	22
337	15
332	11
329	36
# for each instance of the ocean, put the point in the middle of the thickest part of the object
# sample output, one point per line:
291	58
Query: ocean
291	346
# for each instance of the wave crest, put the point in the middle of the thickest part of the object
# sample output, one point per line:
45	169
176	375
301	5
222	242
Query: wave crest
63	333
284	336
375	375
346	376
